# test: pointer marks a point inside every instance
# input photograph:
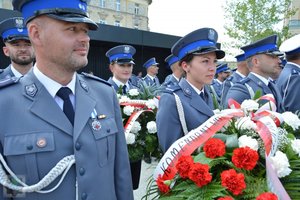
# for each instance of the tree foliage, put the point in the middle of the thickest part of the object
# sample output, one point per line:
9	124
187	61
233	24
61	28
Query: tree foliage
250	20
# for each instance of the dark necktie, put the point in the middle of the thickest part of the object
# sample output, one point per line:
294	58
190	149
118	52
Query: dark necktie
64	93
124	91
202	96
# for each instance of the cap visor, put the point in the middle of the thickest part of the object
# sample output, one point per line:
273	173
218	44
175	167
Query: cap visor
125	62
10	39
76	19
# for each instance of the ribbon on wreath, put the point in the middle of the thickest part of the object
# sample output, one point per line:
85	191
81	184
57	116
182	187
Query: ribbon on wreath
266	121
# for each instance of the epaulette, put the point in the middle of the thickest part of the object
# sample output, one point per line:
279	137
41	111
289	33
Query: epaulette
229	78
244	80
95	78
172	89
295	72
8	81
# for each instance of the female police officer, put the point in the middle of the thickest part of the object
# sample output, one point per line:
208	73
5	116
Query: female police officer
197	53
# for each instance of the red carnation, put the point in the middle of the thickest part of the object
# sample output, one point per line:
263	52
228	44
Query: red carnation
214	147
234	182
245	157
183	166
199	173
161	184
225	198
267	196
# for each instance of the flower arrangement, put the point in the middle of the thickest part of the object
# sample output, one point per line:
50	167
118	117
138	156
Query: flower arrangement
138	113
242	155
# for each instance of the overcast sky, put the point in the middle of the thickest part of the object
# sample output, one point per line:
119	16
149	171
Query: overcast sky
179	17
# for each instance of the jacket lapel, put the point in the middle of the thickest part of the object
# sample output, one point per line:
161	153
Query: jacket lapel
84	107
43	105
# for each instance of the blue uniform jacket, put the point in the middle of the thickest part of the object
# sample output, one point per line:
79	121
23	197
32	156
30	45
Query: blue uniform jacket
239	91
217	87
29	114
149	81
115	86
235	77
288	83
7	73
196	112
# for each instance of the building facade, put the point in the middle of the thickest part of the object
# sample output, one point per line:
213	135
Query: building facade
124	13
294	21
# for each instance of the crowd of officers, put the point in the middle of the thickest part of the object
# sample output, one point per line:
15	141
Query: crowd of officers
40	132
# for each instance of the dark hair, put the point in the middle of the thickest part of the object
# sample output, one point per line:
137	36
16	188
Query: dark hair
292	57
188	58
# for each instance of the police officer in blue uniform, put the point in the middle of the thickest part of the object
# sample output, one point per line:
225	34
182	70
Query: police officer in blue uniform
177	71
241	72
222	73
152	70
197	53
289	79
55	114
262	60
121	65
17	47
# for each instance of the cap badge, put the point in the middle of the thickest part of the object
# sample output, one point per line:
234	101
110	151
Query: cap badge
19	23
211	34
81	6
126	49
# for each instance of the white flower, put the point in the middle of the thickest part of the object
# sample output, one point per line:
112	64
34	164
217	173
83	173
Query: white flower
296	146
151	104
123	98
291	119
249	105
133	92
151	126
245	123
136	127
128	110
130	138
281	164
245	140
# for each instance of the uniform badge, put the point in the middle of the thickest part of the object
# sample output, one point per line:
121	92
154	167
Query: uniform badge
96	125
19	23
126	49
84	85
31	90
211	35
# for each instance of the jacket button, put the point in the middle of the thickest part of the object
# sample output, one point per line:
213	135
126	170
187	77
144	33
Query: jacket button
77	146
81	171
83	196
29	147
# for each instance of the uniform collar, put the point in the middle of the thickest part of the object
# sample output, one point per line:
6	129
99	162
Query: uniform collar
15	72
152	77
240	74
292	63
51	85
196	89
119	83
263	79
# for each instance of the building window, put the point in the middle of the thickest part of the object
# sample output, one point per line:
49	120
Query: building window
102	21
118	5
136	8
117	23
102	3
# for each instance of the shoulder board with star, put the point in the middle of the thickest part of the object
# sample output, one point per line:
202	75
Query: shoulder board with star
8	81
172	89
95	78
